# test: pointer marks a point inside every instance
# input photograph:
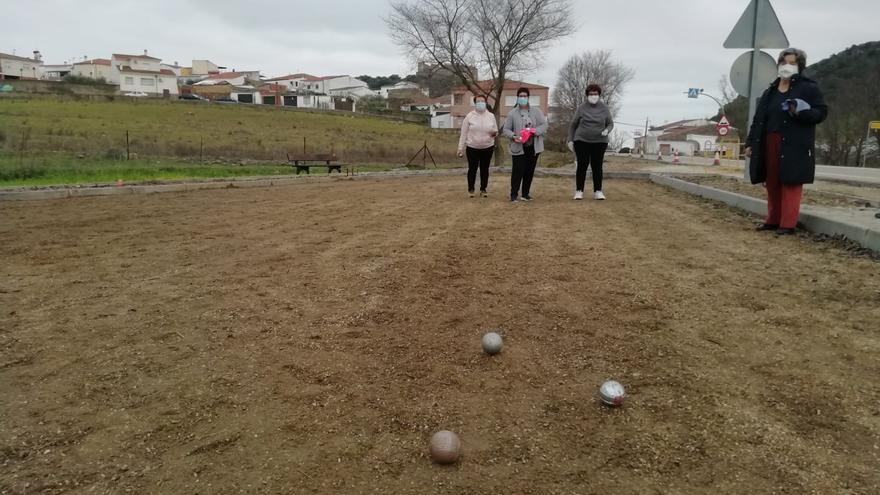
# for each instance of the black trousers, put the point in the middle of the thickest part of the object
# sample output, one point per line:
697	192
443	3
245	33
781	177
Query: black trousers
589	154
478	159
523	171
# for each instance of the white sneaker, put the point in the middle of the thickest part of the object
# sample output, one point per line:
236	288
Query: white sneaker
578	195
598	195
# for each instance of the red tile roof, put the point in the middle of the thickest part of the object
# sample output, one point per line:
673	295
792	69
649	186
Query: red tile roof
164	72
291	76
508	84
119	55
97	61
321	78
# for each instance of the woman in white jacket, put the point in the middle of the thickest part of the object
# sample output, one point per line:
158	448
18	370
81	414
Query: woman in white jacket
478	131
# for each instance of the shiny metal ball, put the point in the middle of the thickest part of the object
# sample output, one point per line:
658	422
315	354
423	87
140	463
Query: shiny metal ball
492	343
445	447
612	393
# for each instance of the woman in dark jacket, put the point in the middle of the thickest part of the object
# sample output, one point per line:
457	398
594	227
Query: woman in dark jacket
782	140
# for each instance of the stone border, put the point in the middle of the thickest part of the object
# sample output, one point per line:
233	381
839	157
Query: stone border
812	219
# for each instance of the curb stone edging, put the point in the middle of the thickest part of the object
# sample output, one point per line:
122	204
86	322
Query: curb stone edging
814	220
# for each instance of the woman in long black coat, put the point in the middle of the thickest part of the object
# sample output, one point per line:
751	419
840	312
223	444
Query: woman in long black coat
782	140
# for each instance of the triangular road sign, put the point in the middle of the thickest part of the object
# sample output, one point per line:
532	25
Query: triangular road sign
723	121
767	32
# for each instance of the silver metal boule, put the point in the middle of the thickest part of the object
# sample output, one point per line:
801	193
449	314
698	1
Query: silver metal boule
612	393
445	447
492	343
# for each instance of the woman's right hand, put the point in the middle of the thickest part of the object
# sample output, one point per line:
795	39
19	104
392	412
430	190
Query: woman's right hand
517	139
460	154
748	151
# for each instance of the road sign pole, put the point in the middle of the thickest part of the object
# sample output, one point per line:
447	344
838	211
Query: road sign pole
753	68
865	146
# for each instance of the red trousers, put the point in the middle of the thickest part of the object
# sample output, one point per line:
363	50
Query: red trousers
783	200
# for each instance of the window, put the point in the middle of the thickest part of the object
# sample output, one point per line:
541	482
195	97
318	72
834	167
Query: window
146	81
129	81
535	101
459	99
509	101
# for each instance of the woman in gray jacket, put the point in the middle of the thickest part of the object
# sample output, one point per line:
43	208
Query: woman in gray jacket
524	155
588	138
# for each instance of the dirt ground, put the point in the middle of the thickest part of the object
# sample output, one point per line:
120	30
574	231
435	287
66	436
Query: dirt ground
311	338
819	194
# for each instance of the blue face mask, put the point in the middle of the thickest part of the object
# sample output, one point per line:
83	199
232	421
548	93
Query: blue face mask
522	101
481	106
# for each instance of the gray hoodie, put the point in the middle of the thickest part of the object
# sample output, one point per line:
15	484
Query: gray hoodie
588	123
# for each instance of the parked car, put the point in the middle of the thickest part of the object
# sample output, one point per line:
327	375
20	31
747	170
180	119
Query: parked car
136	94
225	99
191	96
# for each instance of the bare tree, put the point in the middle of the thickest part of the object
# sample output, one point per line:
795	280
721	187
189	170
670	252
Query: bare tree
595	67
472	37
728	94
616	139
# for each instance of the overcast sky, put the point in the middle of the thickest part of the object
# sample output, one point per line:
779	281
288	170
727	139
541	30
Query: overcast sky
672	44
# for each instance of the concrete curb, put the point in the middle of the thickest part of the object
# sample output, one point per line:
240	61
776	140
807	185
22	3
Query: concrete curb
822	221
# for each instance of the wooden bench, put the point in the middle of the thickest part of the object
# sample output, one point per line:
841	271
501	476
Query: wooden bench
304	162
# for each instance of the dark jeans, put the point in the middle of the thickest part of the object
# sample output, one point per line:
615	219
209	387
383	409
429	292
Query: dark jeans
589	154
478	159
523	171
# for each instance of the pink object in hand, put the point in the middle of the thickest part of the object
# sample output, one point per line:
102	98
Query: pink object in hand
526	133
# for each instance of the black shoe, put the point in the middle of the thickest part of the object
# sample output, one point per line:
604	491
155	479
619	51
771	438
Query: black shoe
767	226
484	194
526	198
471	193
513	199
784	231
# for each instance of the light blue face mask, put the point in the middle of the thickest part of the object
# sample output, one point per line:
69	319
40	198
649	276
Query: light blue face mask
522	101
481	106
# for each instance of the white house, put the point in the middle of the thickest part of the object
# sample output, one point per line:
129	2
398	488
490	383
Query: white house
14	67
383	91
98	68
291	81
233	78
441	119
142	73
176	68
203	68
55	72
338	86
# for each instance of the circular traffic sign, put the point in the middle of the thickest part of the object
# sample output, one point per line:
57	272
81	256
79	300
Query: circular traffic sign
739	72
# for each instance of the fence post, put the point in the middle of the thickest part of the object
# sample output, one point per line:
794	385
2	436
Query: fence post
127	147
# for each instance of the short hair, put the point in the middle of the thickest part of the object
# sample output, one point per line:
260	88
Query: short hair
594	87
523	90
798	53
481	96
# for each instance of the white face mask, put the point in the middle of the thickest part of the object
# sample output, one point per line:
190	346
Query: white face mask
593	99
786	71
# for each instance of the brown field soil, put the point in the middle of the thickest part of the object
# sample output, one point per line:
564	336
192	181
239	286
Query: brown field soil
311	338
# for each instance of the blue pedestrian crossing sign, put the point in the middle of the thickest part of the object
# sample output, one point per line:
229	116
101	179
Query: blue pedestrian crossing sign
693	92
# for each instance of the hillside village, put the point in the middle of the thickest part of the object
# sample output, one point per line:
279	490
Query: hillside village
147	76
